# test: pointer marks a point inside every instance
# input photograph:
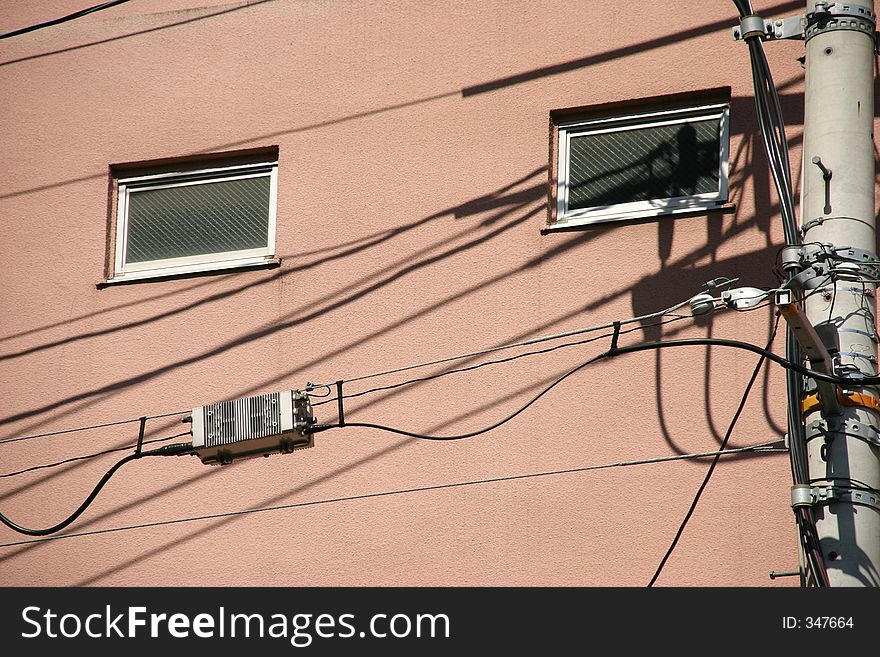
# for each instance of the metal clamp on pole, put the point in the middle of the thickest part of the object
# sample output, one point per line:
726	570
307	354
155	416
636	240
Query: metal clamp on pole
801	496
828	494
792	258
751	27
839	16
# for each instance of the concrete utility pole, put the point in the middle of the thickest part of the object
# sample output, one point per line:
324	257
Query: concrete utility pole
837	208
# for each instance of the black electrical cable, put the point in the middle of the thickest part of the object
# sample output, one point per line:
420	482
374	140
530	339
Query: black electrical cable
683	342
93	455
756	449
721	448
369	425
177	449
772	125
63	19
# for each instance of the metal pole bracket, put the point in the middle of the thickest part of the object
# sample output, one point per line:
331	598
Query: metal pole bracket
770	30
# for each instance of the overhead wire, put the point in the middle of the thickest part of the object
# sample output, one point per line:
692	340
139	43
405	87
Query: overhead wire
90	427
166	450
90	456
439	361
362	393
499	361
513	345
765	447
620	350
611	353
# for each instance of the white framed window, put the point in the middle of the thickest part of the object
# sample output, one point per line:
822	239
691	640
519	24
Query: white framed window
195	221
643	164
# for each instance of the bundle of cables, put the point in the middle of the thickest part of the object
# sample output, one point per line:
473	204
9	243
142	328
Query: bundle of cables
776	147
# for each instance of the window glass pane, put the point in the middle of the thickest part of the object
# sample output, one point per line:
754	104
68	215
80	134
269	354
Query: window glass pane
190	220
643	164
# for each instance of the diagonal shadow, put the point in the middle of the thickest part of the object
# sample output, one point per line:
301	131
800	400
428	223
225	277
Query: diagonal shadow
246	5
401	444
617	53
332	302
485	202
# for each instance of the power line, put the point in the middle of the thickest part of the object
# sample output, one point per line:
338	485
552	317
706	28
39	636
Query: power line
523	343
766	447
772	125
499	361
91	456
90	427
359	394
63	19
439	361
177	449
727	435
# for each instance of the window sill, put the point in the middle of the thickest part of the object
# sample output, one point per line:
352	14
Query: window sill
205	270
584	223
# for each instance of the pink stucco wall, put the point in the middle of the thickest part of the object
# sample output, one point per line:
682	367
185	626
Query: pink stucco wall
410	206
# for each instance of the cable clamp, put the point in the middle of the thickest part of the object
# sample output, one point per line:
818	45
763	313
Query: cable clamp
340	408
792	258
809	279
812	224
769	30
863	259
744	298
825	494
139	448
801	497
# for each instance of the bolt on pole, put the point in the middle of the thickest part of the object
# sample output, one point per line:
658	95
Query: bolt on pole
837	208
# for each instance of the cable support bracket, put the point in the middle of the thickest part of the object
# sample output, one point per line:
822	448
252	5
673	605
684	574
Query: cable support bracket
815	349
808	279
769	30
842	426
825	17
806	496
815	263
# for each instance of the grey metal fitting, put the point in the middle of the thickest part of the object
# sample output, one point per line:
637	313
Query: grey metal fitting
752	26
839	16
792	258
801	496
702	304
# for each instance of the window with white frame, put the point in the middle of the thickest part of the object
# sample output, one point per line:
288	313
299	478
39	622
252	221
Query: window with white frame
640	164
197	220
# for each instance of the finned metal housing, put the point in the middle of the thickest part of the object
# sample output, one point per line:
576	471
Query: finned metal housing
273	423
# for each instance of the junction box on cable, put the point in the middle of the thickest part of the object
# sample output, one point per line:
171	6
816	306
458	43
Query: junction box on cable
274	423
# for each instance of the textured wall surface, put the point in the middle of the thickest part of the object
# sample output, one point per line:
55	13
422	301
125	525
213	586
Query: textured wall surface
413	186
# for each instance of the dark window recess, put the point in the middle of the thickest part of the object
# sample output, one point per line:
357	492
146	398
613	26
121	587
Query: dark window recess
641	164
198	219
